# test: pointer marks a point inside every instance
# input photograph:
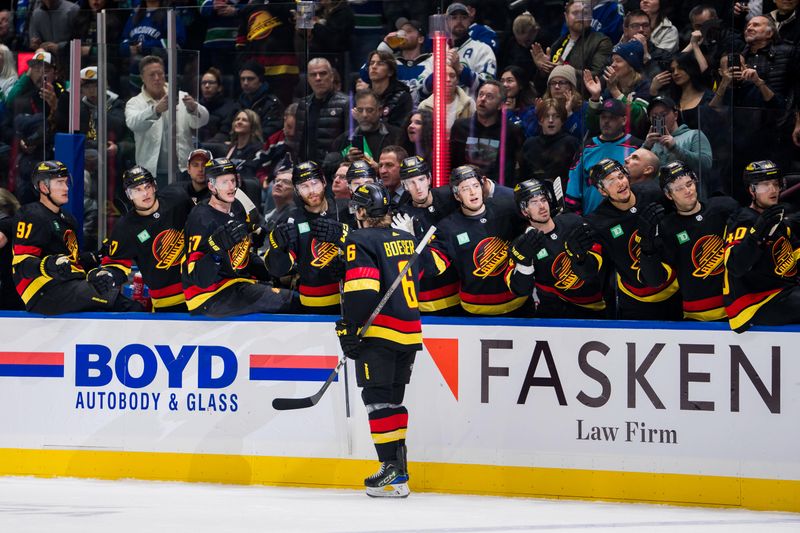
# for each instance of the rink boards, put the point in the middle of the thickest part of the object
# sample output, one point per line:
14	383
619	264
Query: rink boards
664	412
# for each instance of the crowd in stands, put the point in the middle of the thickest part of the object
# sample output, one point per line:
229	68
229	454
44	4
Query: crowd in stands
544	90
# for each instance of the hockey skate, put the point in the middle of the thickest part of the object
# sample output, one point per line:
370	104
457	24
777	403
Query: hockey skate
390	481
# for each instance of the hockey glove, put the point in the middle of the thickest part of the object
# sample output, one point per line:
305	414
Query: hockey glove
578	243
225	237
649	219
57	267
283	237
769	218
329	230
526	246
101	280
336	268
348	339
403	222
90	260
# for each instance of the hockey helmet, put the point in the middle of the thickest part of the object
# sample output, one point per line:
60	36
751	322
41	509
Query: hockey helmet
307	170
603	169
527	189
360	169
220	166
135	176
461	174
414	166
373	197
764	170
47	170
673	171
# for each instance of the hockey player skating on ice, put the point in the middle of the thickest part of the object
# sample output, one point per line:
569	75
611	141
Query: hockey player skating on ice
47	271
375	255
152	237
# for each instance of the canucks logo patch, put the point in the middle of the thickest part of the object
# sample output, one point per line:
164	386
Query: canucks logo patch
143	236
683	237
303	227
617	231
463	238
542	253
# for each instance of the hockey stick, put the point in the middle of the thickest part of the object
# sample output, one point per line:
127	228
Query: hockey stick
285	404
249	208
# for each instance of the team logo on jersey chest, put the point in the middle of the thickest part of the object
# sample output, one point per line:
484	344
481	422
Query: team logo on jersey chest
634	249
240	254
708	255
260	25
168	248
322	252
562	272
490	257
71	242
785	265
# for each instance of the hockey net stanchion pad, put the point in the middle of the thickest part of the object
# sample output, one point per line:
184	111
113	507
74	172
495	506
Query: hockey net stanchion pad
287	404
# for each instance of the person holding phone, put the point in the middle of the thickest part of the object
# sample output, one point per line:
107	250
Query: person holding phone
371	136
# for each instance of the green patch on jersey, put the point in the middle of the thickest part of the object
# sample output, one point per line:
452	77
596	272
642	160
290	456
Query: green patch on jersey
463	238
617	231
303	227
56	225
683	237
143	236
542	254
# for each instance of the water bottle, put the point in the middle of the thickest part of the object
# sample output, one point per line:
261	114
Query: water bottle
138	287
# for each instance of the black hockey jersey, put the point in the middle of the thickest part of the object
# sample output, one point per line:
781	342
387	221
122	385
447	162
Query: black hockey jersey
156	244
693	246
374	258
39	233
552	272
477	247
618	234
755	274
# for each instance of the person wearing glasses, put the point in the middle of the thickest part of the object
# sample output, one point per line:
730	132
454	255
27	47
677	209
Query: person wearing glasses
221	108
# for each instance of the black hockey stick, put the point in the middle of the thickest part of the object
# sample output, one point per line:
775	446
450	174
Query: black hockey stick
285	404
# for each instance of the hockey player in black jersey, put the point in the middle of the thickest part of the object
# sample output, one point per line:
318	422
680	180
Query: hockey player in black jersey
48	274
358	173
612	230
689	240
475	241
151	236
291	247
220	275
375	255
541	264
761	256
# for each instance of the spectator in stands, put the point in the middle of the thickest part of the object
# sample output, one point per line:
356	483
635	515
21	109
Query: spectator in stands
220	108
277	149
581	47
607	17
37	92
516	50
637	27
664	34
146	115
395	98
246	140
413	65
86	31
471	58
612	143
389	171
642	165
255	95
787	20
370	137
459	104
479	32
8	71
8	36
282	193
520	99
222	23
418	138
672	141
549	154
322	116
476	141
52	25
562	85
334	22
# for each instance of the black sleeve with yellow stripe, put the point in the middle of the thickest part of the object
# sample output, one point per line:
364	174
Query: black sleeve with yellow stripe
362	285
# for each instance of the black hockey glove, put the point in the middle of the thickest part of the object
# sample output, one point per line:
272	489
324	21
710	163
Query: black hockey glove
328	230
348	339
336	268
283	237
766	221
90	260
526	246
578	243
225	237
649	219
57	267
101	280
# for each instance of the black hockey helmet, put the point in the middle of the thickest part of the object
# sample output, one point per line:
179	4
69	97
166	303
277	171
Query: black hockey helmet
463	173
47	170
673	171
136	176
373	197
604	168
763	170
360	169
219	167
307	170
414	166
527	189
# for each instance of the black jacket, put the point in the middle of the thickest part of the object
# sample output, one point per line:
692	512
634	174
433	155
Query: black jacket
331	122
220	115
268	108
396	103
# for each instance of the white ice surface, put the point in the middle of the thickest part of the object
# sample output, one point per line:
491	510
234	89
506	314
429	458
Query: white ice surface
74	505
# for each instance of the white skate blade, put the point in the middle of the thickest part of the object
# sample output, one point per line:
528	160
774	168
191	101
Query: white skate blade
396	490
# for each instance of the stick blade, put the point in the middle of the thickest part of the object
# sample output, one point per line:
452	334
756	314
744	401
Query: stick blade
287	404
